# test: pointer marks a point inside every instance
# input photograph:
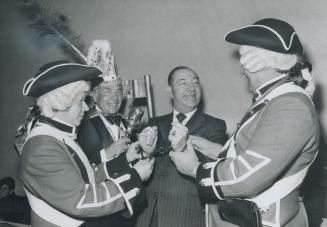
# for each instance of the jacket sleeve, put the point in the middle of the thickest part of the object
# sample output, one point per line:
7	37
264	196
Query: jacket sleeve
287	128
217	134
51	174
215	131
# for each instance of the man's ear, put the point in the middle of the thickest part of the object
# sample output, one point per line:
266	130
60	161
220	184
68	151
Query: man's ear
170	91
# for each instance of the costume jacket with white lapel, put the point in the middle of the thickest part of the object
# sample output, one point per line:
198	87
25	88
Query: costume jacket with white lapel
267	158
93	136
62	186
175	196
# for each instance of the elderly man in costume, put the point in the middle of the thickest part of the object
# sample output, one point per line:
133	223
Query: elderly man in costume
258	172
63	188
103	126
103	131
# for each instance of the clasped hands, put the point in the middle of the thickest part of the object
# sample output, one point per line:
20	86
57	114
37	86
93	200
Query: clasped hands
183	154
147	141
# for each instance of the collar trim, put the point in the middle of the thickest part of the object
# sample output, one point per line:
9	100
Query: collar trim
63	126
268	84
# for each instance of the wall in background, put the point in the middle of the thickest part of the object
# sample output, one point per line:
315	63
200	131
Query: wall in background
152	37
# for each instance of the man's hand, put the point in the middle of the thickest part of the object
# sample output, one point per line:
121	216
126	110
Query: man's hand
178	136
116	148
186	162
144	168
324	222
133	152
148	139
206	147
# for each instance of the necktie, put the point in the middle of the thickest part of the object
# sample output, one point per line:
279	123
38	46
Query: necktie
180	117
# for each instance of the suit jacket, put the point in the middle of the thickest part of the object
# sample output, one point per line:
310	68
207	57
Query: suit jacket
173	195
278	141
93	136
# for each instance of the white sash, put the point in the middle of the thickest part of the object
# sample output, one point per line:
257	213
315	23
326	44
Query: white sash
40	207
46	130
284	186
281	188
50	214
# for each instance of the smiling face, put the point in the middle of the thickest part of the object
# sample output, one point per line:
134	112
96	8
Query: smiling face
109	99
185	90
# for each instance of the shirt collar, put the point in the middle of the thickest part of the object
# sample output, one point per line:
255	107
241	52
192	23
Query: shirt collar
98	109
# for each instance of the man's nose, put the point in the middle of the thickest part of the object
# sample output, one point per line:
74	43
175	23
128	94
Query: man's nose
192	87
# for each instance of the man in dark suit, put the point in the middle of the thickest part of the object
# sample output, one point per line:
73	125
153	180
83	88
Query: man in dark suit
173	199
103	135
13	208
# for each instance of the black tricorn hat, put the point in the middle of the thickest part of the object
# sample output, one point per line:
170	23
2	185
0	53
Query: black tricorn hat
59	73
271	34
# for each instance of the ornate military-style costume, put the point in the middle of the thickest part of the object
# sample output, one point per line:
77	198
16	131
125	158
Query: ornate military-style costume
97	132
267	158
62	186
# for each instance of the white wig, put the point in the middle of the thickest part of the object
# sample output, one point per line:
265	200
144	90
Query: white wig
61	98
255	59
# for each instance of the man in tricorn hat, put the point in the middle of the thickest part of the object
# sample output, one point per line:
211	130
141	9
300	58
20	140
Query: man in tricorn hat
263	164
61	185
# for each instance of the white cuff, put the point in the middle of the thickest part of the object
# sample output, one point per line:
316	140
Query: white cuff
103	155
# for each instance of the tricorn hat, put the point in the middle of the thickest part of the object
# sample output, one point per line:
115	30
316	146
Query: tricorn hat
59	73
271	34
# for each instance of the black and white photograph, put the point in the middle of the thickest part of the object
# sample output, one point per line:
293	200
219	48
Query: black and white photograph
163	113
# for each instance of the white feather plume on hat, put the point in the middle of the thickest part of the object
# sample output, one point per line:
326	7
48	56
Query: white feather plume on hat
255	59
100	55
